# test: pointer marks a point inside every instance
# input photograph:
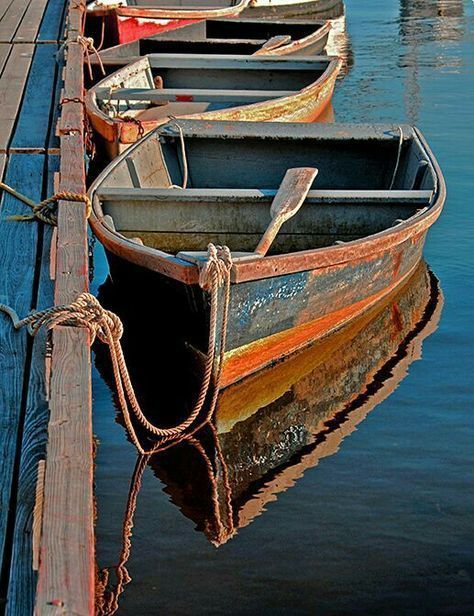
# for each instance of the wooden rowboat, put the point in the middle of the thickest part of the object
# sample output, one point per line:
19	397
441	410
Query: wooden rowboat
270	429
225	36
126	21
359	234
139	97
273	427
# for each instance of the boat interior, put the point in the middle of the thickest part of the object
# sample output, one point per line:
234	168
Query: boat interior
179	191
237	36
160	85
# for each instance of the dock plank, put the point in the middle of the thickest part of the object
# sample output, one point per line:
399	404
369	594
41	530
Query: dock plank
18	253
66	571
11	19
52	24
12	84
29	25
22	585
37	108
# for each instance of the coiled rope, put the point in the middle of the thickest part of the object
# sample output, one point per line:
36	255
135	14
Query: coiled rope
103	324
46	210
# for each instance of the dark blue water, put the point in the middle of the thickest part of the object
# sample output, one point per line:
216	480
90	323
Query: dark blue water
382	522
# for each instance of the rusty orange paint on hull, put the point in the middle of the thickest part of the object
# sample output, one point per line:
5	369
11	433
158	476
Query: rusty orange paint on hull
246	360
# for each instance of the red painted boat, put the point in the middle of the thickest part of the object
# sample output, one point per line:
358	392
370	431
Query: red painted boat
358	235
123	23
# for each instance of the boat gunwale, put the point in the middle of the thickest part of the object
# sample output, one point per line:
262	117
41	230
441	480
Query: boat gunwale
111	127
273	265
153	12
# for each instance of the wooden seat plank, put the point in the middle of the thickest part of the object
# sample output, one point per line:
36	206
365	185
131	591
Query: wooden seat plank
18	254
12	84
191	95
22	582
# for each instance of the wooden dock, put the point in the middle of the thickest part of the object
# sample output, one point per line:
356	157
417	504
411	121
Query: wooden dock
46	501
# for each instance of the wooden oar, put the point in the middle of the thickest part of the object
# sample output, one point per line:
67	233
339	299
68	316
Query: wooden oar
290	197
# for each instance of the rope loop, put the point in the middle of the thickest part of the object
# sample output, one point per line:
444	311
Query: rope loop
103	324
217	267
87	43
46	210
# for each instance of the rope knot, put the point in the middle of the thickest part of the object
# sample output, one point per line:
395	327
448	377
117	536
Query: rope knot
46	210
217	268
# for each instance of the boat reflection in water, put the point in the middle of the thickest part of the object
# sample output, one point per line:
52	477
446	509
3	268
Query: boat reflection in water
421	23
270	428
339	43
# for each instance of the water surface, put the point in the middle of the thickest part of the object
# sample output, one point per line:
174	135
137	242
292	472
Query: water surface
380	520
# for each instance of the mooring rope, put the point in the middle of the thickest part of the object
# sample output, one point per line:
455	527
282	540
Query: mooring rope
87	44
183	152
107	600
46	210
397	162
103	324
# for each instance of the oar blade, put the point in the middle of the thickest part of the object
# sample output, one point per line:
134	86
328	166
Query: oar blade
292	192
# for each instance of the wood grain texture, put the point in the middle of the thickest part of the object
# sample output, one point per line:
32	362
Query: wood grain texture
34	124
12	84
21	591
66	568
66	575
18	253
30	23
11	19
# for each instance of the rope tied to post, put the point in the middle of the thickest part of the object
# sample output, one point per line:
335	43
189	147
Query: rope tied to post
46	210
105	325
88	46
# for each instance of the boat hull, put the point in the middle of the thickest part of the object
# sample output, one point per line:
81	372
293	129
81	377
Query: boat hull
133	28
271	318
124	24
322	9
271	428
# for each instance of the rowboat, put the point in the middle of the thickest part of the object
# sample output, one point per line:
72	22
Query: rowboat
359	232
226	36
129	20
272	427
137	98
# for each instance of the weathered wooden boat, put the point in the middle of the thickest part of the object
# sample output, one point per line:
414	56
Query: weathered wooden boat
359	234
274	426
129	20
137	98
225	36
